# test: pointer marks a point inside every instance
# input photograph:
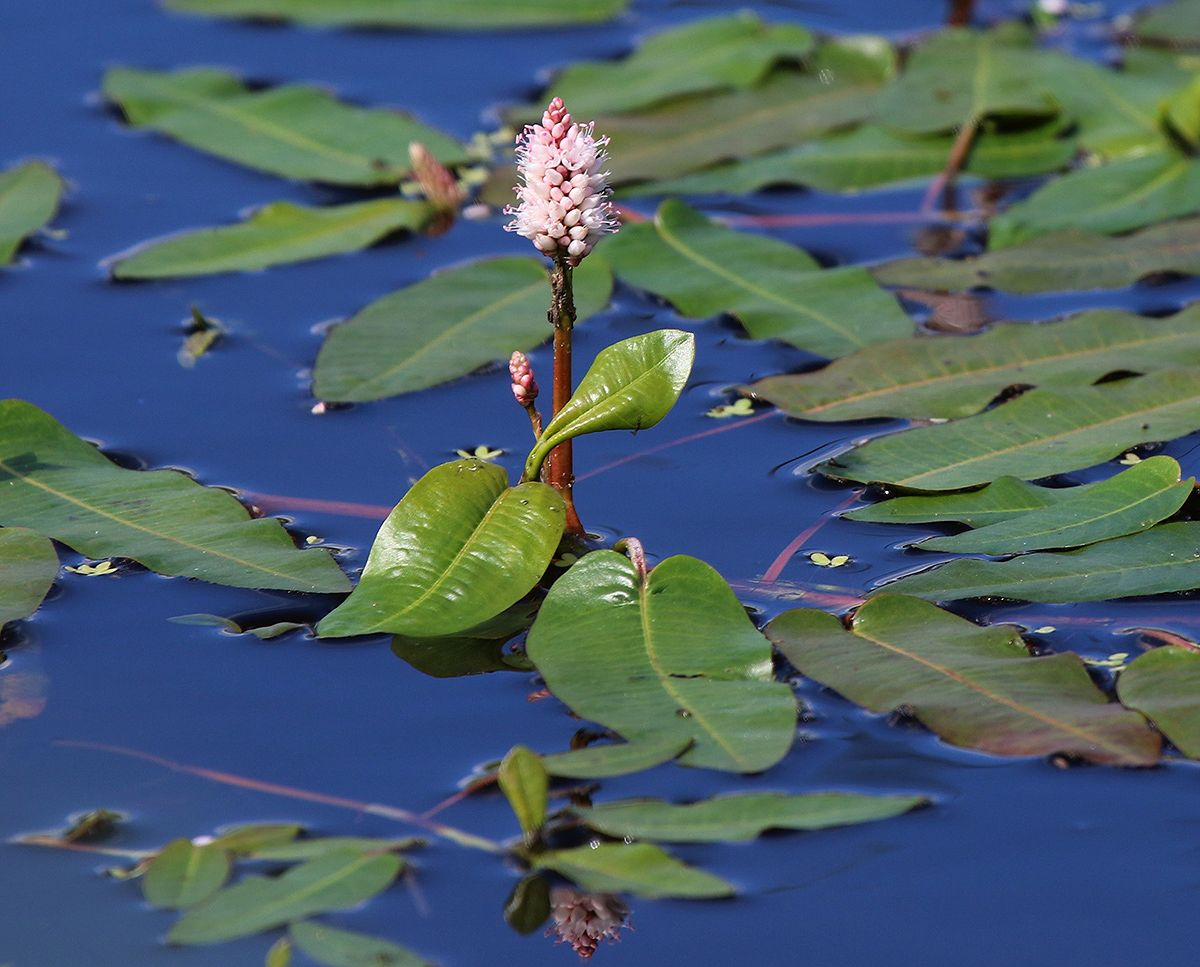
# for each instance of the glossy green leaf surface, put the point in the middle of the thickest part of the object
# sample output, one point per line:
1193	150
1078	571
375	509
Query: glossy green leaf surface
29	197
309	848
670	656
870	156
951	376
1163	559
249	838
1004	499
1132	501
525	784
474	651
1059	262
64	488
606	761
1164	685
28	567
776	290
446	326
638	868
742	816
712	54
294	131
183	875
331	882
631	385
1116	197
333	947
975	687
461	15
457	550
1040	433
275	234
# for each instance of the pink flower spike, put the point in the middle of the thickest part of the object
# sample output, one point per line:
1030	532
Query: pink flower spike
524	387
585	919
563	196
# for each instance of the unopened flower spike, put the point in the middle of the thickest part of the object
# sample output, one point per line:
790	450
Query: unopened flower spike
438	184
564	208
525	388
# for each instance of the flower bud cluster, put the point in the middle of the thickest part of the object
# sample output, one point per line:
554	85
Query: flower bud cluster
524	386
564	207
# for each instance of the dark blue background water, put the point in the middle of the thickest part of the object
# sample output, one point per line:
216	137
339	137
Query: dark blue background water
1018	862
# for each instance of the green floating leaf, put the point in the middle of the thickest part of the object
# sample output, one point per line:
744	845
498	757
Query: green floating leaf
631	385
1162	559
248	839
689	133
638	868
345	948
475	651
1115	197
1040	433
295	131
1132	501
461	547
949	376
1177	22
1164	685
606	761
461	15
961	76
671	655
525	784
1003	500
308	849
28	567
274	235
717	53
64	488
741	816
447	326
183	874
975	687
776	290
29	198
1059	262
331	882
870	156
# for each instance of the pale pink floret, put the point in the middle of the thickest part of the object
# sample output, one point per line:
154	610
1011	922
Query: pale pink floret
564	208
524	386
585	919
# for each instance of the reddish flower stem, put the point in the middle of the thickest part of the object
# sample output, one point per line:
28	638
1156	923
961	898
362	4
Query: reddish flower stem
560	471
960	13
941	185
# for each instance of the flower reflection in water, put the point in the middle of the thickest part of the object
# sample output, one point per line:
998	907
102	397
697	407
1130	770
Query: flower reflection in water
585	919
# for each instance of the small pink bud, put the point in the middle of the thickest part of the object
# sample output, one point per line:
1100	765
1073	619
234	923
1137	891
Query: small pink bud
524	386
437	183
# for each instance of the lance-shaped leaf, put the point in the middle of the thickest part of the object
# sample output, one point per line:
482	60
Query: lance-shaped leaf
457	550
525	784
1040	433
975	687
1132	501
631	385
295	131
639	868
310	848
741	816
776	290
345	948
712	54
1162	559
1115	197
606	761
280	953
331	882
949	376
273	235
671	654
247	839
1164	685
184	874
871	155
1059	262
460	15
56	484
446	326
29	197
1004	499
28	566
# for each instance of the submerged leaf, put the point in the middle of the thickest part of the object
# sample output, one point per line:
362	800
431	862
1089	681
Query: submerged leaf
775	289
461	547
669	655
1164	685
29	197
184	874
274	235
461	15
28	566
606	761
525	784
345	948
446	326
1164	558
60	486
638	868
294	131
975	687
